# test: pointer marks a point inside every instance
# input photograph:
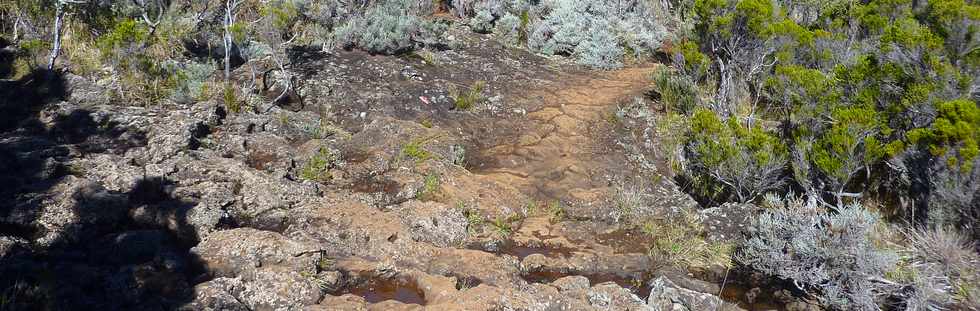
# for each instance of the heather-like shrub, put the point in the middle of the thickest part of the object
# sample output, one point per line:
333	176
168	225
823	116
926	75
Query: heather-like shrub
829	253
955	197
640	34
677	91
388	28
508	29
601	49
596	32
193	77
638	24
568	24
482	22
492	8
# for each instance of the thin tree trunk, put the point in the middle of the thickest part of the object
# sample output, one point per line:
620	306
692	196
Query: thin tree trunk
56	47
16	23
227	39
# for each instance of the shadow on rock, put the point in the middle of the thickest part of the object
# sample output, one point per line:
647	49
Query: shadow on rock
67	242
94	249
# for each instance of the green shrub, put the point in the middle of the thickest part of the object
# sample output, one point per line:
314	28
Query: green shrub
463	100
319	165
731	159
677	92
681	242
415	150
955	133
430	188
848	147
126	34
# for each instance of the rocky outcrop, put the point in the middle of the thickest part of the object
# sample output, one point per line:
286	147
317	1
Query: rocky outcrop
665	295
728	221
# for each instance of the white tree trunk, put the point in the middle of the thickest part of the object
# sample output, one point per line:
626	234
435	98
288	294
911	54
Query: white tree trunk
56	46
229	20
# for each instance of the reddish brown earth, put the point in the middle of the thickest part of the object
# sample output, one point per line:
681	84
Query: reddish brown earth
563	150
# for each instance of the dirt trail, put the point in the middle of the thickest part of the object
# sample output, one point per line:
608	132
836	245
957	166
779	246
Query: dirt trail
565	151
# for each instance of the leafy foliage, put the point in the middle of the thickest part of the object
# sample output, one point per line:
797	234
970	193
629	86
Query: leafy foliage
854	87
732	158
430	188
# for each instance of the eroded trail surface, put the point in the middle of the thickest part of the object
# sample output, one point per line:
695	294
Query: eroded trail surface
374	193
565	151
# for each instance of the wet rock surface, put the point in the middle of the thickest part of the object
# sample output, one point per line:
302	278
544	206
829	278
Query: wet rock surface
509	205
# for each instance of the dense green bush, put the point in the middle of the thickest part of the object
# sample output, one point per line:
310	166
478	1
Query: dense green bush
860	90
730	159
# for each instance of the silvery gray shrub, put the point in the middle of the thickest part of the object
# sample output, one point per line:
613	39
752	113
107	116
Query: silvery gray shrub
820	250
390	27
596	32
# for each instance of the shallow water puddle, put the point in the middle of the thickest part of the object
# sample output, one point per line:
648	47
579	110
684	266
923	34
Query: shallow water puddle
376	290
751	300
626	241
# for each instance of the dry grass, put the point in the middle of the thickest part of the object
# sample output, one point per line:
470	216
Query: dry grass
681	242
948	263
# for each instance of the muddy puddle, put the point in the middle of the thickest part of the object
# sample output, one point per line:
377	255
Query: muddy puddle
626	241
522	251
769	295
376	290
748	299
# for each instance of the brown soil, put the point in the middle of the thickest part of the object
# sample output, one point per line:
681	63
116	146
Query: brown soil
563	150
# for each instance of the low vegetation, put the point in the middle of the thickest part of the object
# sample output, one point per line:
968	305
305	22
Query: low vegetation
430	189
681	241
468	97
415	150
319	165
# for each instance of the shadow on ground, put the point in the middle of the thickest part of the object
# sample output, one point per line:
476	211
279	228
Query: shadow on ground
66	242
